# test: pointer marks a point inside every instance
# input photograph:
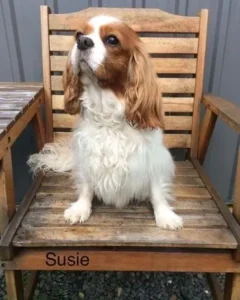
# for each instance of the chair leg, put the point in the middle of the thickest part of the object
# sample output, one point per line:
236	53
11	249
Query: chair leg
14	285
232	287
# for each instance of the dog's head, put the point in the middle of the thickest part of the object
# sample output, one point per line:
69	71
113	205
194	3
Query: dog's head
110	53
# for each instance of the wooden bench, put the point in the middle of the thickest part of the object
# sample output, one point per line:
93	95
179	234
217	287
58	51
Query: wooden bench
127	239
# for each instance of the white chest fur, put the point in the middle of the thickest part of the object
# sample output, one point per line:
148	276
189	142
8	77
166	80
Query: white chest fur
116	159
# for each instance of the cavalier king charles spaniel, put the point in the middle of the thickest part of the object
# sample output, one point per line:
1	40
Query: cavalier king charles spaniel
117	151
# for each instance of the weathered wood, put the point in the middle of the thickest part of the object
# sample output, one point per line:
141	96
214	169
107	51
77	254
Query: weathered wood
14	285
230	220
170	104
20	85
120	219
9	184
152	20
161	65
170	122
215	287
225	110
206	131
24	120
199	80
45	12
122	236
123	260
232	287
168	45
168	85
193	206
31	285
3	201
6	240
39	130
170	140
236	202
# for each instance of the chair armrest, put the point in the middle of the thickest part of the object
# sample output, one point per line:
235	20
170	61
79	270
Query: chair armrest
225	110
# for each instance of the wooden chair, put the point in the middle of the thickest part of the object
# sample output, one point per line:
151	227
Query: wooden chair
127	239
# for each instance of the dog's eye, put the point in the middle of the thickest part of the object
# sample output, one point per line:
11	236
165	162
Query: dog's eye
111	40
78	34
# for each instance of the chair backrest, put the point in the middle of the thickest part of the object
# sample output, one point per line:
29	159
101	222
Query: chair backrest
176	45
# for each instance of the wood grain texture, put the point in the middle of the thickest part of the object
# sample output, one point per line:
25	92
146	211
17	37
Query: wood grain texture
232	287
161	45
190	206
170	140
225	110
168	85
199	80
206	131
170	122
14	285
230	220
170	104
147	20
236	202
120	236
160	65
3	201
39	130
6	240
45	12
215	287
123	260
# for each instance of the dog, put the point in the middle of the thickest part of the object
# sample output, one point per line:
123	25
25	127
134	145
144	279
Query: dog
117	151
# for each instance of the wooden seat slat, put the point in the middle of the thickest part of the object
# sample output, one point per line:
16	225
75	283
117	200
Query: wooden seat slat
124	236
122	219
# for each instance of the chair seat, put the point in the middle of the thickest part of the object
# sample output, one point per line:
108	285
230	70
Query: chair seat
204	227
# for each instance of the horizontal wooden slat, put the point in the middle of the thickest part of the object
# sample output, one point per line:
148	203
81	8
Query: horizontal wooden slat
168	85
161	65
49	219
188	206
170	140
170	122
64	43
147	20
180	192
170	104
124	236
127	260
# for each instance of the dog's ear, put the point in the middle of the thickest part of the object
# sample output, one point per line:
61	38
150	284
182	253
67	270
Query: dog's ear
143	95
73	88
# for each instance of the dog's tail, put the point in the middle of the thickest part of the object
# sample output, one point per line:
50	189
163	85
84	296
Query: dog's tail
54	157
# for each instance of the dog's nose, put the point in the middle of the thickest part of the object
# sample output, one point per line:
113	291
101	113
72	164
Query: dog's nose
84	43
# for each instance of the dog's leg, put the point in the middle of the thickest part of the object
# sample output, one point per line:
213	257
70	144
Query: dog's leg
164	215
80	210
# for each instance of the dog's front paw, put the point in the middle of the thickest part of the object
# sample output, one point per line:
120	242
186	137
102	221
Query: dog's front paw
167	219
78	212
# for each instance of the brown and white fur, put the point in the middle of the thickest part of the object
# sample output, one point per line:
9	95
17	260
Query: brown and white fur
117	150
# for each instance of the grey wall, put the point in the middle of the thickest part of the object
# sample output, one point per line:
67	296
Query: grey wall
20	59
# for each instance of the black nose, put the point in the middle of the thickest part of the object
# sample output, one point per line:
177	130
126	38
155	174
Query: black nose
84	43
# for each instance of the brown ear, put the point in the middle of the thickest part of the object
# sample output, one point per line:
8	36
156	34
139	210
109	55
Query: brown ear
143	95
72	89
